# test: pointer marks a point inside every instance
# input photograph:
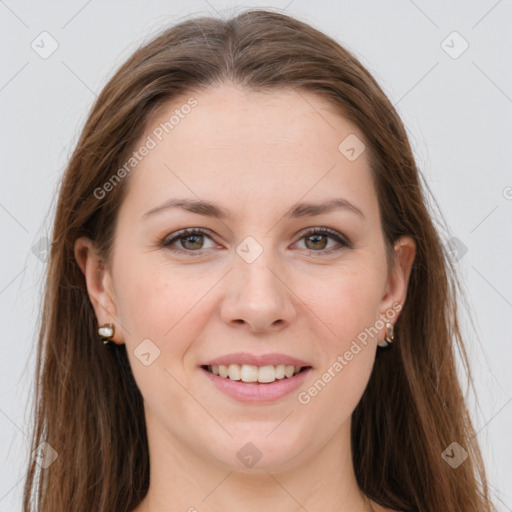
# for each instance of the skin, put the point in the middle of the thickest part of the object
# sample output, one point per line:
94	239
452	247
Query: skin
256	155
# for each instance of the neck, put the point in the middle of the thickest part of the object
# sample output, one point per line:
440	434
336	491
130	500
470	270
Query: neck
185	479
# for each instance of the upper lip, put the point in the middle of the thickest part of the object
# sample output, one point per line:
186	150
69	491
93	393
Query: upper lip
256	360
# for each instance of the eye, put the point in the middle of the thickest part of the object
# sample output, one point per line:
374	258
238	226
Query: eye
317	239
192	240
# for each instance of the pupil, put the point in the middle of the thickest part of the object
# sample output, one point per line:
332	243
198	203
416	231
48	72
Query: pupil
193	236
312	237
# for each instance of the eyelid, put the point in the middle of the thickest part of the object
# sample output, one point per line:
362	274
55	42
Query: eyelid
324	231
182	233
341	239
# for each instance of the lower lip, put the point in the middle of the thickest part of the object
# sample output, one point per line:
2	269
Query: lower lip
255	391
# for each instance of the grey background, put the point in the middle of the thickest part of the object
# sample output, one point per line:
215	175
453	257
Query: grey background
457	112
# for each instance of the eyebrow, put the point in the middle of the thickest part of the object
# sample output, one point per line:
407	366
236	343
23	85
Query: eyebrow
296	211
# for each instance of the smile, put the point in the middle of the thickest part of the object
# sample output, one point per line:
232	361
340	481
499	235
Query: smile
250	373
276	381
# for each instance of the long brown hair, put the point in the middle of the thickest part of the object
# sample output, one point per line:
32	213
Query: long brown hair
88	407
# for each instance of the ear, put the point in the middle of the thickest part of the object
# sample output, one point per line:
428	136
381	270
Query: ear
396	286
99	285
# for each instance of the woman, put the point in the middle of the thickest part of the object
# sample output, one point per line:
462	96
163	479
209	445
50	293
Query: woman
243	226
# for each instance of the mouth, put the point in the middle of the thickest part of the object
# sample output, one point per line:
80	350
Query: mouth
252	374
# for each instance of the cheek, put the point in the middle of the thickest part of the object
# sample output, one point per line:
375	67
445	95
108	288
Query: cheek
147	303
157	312
150	303
346	301
347	307
162	304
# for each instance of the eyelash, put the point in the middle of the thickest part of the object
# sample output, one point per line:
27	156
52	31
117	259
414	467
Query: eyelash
167	242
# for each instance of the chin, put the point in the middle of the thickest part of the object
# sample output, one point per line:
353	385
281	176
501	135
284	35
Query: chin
253	454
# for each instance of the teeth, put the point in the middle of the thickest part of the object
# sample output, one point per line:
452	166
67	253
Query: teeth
267	373
234	371
248	373
251	373
280	371
289	371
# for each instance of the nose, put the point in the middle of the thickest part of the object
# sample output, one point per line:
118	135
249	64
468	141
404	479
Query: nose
258	296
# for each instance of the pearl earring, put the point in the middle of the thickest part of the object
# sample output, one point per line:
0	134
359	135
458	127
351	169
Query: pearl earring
106	332
390	335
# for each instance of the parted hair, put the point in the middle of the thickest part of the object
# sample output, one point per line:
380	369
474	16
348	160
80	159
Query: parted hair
87	405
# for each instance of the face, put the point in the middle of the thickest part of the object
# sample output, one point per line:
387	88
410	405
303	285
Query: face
270	277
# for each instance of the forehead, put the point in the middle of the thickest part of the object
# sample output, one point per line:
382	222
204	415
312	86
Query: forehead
234	143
